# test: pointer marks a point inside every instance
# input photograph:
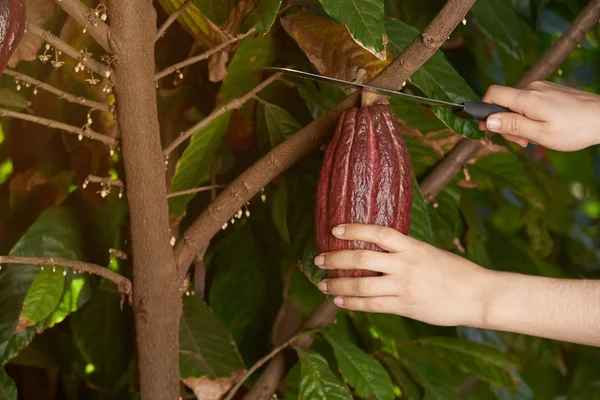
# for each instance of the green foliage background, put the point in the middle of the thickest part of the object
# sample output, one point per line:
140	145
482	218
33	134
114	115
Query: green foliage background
530	210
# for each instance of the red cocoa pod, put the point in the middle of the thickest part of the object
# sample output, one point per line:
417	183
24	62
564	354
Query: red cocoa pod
12	28
366	177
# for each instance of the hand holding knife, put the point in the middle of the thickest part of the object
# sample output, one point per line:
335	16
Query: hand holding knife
472	109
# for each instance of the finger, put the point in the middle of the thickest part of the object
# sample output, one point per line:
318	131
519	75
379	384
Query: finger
518	140
357	259
363	287
512	98
387	238
386	304
515	125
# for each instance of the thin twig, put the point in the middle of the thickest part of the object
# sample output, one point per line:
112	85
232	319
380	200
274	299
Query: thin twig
203	56
232	105
81	132
263	360
172	18
49	38
464	150
123	284
60	93
106	183
195	190
89	20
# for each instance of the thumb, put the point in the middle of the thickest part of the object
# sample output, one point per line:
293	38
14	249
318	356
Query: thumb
516	127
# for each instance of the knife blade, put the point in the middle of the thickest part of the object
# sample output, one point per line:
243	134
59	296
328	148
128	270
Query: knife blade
472	109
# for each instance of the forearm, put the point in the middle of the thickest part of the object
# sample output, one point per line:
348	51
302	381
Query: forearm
560	309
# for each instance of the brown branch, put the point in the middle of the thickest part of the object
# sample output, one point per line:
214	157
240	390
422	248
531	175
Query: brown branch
106	183
447	169
313	135
49	38
81	132
203	56
195	190
89	19
123	284
157	304
267	384
60	93
231	105
172	18
263	360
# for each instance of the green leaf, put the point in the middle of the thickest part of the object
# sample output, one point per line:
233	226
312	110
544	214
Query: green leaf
193	167
359	369
408	387
305	293
43	296
415	115
12	100
317	382
280	123
500	170
364	20
445	216
476	235
511	253
241	272
102	333
244	71
215	10
319	97
263	16
483	361
8	389
420	220
380	332
427	369
308	267
206	348
55	233
422	156
278	199
437	79
498	20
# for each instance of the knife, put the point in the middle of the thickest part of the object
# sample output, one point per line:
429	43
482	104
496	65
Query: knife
472	109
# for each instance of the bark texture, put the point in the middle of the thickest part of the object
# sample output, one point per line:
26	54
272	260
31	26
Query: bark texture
157	299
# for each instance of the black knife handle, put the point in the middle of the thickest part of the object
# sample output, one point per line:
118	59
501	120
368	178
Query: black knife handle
478	110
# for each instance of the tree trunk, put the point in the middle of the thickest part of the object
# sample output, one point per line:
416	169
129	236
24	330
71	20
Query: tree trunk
156	295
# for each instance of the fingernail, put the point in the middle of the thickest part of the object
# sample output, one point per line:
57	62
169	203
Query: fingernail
339	230
319	260
323	286
493	124
339	301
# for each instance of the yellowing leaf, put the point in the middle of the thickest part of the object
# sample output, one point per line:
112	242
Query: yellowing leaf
331	49
195	23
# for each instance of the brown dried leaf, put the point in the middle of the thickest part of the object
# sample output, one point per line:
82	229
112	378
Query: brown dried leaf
206	389
38	12
240	132
331	49
217	63
217	66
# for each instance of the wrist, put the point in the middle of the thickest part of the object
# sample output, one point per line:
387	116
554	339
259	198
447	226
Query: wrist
503	301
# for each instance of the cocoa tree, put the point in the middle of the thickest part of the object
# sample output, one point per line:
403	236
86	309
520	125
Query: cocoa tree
158	196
